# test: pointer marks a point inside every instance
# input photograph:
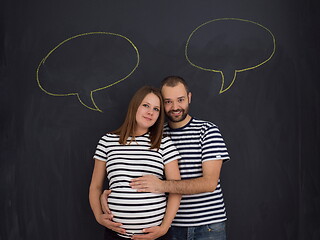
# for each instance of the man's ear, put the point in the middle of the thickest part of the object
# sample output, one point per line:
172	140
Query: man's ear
189	97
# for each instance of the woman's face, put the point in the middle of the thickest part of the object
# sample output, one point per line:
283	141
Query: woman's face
147	113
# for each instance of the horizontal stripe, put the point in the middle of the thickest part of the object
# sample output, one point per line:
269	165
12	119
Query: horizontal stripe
197	142
133	209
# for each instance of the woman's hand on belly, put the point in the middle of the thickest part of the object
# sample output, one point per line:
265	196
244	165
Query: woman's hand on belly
151	233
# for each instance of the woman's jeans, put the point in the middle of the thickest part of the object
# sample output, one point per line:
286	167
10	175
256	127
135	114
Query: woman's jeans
215	231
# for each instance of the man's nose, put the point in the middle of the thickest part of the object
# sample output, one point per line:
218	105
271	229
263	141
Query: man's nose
174	105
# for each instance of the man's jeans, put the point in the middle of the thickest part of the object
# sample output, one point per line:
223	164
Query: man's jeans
215	231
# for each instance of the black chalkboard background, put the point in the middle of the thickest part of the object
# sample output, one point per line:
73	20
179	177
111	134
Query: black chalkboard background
270	117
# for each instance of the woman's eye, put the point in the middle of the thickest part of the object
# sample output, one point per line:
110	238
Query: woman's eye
145	105
157	109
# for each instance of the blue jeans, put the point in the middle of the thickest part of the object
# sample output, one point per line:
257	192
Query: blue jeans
214	231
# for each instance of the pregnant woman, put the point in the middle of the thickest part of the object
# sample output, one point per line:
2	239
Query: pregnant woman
135	149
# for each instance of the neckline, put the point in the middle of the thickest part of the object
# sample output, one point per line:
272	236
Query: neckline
187	124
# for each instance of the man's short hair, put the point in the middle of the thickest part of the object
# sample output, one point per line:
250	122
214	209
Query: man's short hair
173	81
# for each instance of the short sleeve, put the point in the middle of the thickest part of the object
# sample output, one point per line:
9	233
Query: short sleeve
213	146
101	150
169	151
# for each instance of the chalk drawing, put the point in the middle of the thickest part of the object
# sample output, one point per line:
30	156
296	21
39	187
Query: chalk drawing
69	41
208	33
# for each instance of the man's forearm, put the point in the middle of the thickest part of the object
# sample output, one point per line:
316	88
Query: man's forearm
189	186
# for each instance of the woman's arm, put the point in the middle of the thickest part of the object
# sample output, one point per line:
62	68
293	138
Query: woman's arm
172	173
96	187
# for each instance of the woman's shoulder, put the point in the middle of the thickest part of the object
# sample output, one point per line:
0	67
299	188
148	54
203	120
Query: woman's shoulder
110	137
166	139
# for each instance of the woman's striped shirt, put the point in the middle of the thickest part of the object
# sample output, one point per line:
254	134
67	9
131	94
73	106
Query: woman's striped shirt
135	210
197	142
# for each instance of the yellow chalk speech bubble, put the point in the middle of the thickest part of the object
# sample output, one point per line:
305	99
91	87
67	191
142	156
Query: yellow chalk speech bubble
204	27
95	107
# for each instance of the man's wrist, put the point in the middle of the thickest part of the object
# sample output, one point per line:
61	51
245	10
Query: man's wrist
163	186
98	215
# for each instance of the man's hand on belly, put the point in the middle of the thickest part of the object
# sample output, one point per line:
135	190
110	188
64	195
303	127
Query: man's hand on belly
106	218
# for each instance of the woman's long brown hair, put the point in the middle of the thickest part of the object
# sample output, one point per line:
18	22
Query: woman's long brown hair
128	127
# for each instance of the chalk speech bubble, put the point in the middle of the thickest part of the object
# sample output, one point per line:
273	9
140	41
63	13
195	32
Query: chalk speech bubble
83	61
229	46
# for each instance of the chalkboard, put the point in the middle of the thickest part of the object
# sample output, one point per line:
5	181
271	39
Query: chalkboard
69	68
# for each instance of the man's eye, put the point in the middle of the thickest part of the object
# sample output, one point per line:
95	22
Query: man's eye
167	102
181	100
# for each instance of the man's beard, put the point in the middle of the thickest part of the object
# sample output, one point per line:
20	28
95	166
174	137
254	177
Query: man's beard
180	118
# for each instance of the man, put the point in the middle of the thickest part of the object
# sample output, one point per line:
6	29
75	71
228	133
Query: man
201	215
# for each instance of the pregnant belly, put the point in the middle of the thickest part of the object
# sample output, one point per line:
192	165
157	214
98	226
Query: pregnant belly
136	210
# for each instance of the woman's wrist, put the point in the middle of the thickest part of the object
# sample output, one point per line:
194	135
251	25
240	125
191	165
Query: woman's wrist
164	228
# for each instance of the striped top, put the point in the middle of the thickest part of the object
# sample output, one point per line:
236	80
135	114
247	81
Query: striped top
197	142
135	210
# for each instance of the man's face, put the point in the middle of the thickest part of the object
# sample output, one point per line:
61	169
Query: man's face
176	102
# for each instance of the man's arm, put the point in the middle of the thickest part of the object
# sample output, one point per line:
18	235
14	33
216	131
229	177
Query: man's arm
105	208
207	183
95	190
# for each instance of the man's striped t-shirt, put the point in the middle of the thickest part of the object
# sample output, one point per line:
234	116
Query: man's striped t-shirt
135	210
197	142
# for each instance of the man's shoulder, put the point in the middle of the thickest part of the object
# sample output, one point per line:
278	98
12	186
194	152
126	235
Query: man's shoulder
202	123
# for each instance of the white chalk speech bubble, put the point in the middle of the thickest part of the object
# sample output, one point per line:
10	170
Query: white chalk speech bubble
69	41
214	37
